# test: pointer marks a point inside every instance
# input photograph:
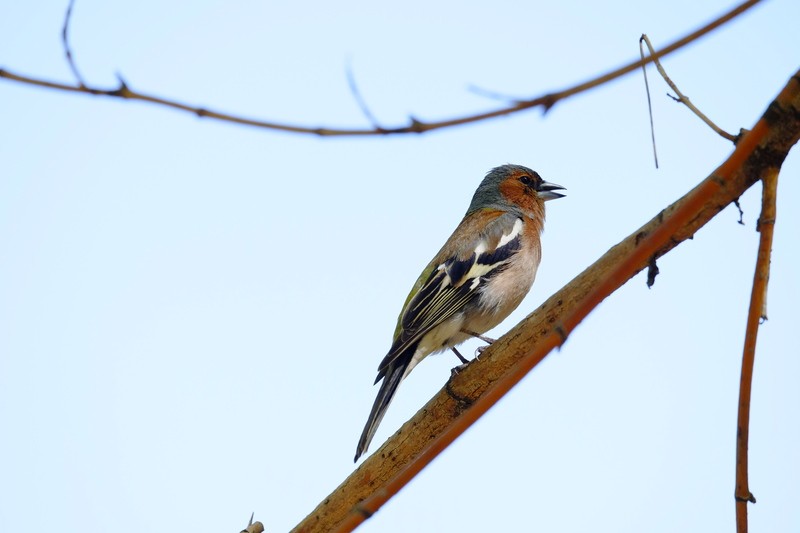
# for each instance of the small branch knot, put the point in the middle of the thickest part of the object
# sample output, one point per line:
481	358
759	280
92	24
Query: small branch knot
462	401
562	333
764	222
363	511
416	126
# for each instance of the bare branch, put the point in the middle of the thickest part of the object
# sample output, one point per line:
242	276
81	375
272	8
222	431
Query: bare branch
415	126
755	316
681	98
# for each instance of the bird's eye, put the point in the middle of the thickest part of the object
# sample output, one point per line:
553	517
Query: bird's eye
526	180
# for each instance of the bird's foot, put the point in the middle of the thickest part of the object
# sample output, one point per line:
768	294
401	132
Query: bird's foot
456	370
479	351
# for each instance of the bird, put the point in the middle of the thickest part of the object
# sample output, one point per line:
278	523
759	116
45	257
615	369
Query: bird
480	275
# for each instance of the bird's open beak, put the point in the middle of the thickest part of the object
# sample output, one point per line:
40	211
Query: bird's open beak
547	190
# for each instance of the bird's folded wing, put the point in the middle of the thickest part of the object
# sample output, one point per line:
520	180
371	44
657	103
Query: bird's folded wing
454	282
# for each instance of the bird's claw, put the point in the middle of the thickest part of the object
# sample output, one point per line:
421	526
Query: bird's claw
479	351
456	370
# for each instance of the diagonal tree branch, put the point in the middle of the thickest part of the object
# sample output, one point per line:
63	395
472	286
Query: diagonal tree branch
415	126
471	393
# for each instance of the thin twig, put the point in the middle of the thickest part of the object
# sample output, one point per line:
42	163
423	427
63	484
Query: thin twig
67	50
494	95
682	98
649	102
755	316
362	104
509	359
253	527
414	126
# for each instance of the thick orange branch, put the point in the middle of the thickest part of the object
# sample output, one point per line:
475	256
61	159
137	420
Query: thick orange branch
471	393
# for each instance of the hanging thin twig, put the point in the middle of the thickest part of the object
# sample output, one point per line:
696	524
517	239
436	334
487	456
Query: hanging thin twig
649	102
681	98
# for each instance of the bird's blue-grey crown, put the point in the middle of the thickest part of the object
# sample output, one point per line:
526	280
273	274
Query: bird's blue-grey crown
488	193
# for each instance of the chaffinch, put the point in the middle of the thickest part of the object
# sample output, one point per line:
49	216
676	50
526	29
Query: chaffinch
477	279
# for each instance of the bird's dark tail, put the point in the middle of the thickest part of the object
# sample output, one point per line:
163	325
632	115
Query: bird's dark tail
391	379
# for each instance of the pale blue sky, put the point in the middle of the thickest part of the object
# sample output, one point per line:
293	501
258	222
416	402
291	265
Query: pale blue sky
192	313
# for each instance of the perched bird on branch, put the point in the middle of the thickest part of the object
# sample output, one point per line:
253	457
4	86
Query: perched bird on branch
477	279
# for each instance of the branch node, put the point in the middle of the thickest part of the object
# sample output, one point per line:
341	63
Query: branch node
548	101
747	498
742	133
764	222
562	332
123	91
416	126
362	510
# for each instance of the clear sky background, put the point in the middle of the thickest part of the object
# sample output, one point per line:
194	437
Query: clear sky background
192	312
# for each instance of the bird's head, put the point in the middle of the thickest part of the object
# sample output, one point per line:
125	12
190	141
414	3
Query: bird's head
514	188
